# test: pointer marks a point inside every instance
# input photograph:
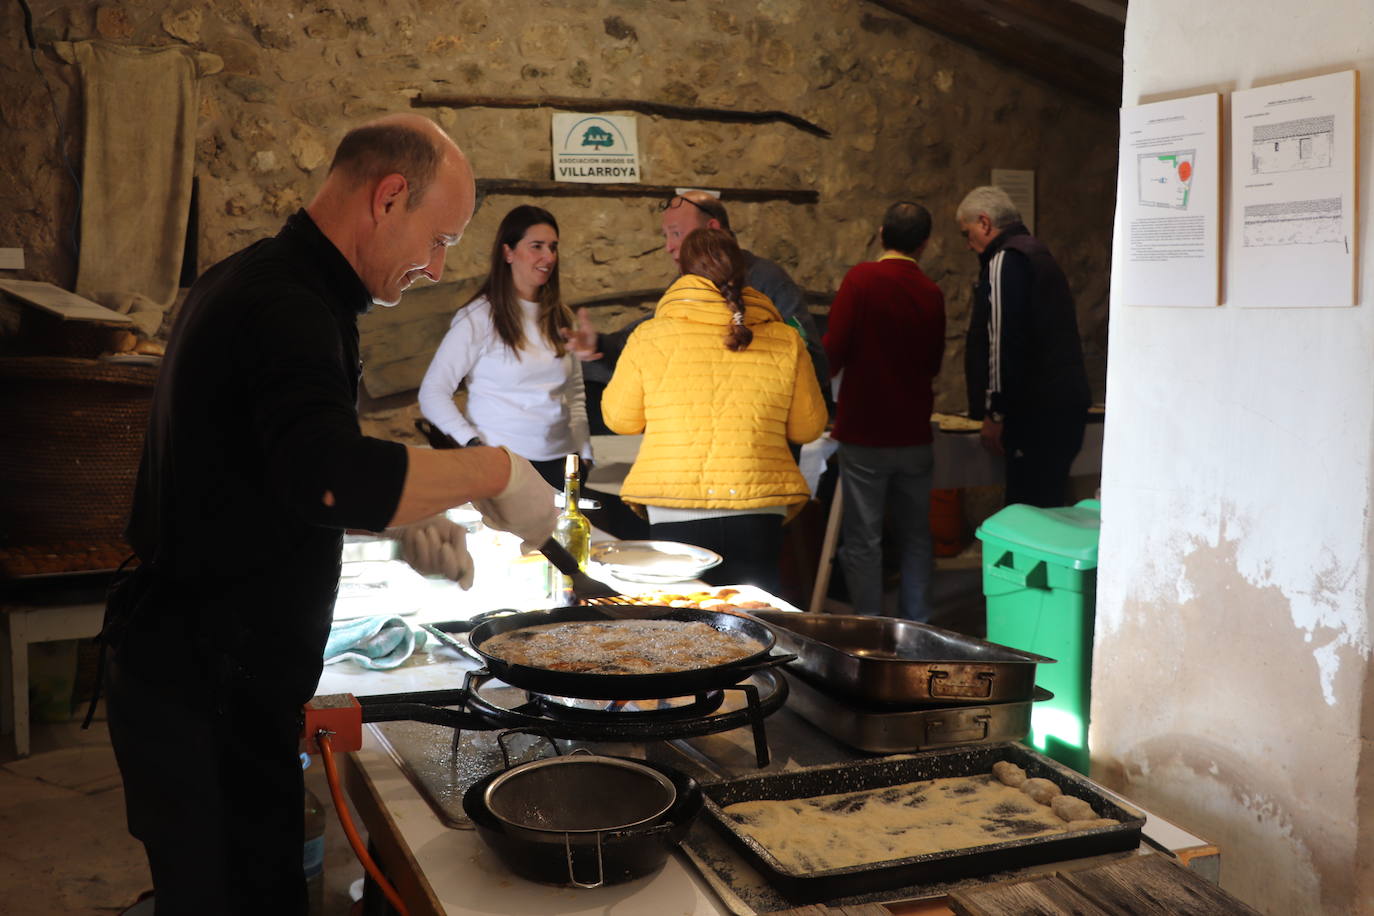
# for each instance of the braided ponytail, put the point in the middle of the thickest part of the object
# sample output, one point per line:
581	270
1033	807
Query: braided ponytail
714	254
739	337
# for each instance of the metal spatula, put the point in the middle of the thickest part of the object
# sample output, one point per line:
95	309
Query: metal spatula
591	591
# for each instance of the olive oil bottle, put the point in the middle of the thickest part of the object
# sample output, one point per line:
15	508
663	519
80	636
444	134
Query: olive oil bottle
573	530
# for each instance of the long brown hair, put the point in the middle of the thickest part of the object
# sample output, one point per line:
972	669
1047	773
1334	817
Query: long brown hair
714	255
499	286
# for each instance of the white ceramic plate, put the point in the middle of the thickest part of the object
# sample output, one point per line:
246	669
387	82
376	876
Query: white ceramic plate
654	562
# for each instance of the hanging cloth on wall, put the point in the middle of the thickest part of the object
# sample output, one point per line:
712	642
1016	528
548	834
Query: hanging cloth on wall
141	110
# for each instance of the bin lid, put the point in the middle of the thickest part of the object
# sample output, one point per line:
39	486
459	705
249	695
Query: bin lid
1064	536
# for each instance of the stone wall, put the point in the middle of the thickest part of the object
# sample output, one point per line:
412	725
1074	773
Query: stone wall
912	115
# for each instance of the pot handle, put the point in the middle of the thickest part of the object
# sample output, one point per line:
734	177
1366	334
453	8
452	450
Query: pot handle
463	626
600	868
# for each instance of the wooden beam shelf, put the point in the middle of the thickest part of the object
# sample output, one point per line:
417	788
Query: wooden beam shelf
487	186
663	109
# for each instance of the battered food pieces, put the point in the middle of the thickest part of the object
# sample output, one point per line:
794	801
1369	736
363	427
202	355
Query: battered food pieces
1072	809
1075	811
621	646
1009	773
1042	790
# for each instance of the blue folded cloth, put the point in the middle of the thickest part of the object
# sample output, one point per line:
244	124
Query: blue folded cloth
374	642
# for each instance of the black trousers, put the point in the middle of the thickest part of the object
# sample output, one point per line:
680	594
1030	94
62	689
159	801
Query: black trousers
750	547
1040	449
212	781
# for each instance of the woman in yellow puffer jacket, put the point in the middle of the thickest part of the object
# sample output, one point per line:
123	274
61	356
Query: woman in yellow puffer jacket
719	386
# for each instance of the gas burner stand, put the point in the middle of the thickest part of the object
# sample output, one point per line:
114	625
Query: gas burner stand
469	708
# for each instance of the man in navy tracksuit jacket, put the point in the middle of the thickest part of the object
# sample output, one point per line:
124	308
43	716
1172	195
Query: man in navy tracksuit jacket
1024	359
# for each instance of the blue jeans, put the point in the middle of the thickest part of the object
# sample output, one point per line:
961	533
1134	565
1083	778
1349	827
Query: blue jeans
876	480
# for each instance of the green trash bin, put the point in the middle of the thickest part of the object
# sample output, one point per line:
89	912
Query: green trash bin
1040	580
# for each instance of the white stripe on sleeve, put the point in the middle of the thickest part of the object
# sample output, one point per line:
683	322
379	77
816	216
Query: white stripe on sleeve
994	326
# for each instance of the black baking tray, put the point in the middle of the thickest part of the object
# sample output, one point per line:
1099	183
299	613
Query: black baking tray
816	886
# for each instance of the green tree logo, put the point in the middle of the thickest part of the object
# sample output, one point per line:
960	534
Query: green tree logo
596	137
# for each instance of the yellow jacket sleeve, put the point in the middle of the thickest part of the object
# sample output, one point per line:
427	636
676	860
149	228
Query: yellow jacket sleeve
622	403
807	416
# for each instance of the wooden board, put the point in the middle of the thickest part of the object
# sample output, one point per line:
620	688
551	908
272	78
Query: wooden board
1042	895
1150	885
66	305
867	909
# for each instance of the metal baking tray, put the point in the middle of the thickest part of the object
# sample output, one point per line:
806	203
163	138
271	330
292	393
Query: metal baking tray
900	663
899	731
829	884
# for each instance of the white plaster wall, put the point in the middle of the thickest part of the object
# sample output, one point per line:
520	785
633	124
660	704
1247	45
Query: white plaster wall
1233	635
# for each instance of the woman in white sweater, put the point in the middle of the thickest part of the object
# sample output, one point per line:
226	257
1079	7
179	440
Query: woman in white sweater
524	387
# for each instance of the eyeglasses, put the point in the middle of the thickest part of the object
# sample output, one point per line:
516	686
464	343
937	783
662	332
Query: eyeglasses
678	200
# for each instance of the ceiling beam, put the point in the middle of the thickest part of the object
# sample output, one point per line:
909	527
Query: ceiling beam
1054	63
1074	21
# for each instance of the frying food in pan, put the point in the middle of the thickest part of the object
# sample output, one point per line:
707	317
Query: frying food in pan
716	599
621	646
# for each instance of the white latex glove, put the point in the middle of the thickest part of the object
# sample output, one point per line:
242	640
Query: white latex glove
525	507
436	547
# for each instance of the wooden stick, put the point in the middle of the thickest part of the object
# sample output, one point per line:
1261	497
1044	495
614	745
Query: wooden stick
827	559
580	189
681	112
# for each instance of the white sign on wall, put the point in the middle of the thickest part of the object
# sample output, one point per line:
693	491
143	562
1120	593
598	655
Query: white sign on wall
1293	178
595	148
1168	202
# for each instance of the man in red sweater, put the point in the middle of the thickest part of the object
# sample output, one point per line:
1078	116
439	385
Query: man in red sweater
887	335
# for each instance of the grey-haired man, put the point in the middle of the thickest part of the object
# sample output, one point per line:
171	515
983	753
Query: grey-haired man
1024	359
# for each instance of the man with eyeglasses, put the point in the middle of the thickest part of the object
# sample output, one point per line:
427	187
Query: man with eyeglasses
1024	359
683	214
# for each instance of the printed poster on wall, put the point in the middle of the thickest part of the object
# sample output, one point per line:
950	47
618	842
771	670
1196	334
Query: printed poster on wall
595	148
1293	183
1169	193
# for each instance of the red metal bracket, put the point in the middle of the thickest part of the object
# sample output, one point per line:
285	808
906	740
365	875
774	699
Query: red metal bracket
341	715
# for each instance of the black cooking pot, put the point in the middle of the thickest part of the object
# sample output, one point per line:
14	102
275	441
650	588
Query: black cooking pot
587	858
626	686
